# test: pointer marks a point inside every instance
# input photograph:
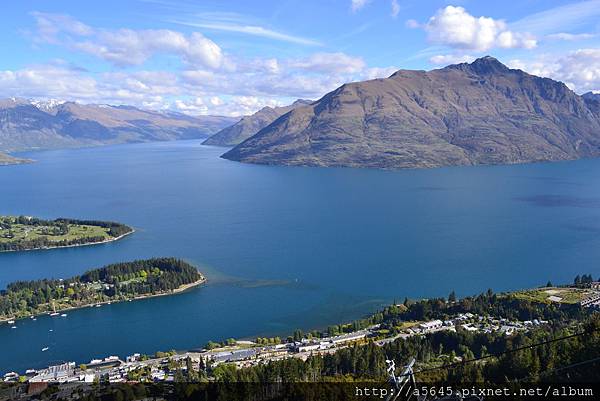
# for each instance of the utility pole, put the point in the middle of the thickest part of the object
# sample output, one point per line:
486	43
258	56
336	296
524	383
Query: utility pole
400	382
407	377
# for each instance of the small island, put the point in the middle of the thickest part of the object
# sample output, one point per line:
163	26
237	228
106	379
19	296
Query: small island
25	233
113	283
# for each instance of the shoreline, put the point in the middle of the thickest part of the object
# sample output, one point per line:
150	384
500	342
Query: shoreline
45	248
177	290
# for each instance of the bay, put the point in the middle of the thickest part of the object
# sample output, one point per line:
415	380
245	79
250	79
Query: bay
286	247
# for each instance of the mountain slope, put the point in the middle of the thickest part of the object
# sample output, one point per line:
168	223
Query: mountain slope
464	114
250	125
28	125
592	100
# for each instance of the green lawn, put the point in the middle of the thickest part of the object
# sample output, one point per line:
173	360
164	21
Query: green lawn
22	232
566	295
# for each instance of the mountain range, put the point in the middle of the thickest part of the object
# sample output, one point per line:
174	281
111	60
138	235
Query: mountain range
250	125
28	125
463	114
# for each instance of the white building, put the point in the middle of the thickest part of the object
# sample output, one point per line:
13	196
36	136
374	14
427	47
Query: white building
430	326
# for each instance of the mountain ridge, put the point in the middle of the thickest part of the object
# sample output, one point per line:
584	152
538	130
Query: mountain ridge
463	114
32	125
250	125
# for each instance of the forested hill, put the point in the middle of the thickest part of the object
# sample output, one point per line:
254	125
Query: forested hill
115	282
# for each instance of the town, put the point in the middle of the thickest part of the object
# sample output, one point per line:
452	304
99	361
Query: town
166	366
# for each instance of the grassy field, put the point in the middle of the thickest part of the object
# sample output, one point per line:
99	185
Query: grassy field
20	232
554	294
27	233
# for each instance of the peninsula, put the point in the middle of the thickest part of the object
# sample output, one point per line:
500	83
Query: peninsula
5	160
25	233
113	283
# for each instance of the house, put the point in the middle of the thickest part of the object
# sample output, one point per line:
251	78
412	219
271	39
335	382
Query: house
431	326
134	358
309	347
237	355
11	377
468	327
56	373
344	338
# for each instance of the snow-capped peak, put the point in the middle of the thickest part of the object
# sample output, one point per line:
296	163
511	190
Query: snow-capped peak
47	105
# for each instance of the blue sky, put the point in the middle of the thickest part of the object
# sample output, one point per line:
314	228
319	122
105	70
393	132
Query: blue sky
233	57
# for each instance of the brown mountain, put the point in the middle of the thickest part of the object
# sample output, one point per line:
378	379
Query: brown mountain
592	100
464	114
26	125
250	125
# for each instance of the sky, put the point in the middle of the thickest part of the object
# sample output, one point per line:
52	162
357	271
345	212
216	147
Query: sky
233	57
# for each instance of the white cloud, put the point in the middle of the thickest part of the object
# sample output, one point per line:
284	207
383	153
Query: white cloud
455	27
412	24
49	26
206	81
124	47
445	59
579	70
338	63
561	18
51	81
570	36
356	5
251	30
235	106
378	72
194	106
395	8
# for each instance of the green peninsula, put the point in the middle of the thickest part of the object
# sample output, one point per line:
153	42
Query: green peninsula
24	233
112	283
6	160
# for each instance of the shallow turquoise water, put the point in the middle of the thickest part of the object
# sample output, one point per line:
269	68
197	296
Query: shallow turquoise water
287	247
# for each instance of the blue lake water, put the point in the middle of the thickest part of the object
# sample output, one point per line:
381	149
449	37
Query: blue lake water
287	247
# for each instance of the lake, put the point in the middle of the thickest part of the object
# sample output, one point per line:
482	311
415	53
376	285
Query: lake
286	247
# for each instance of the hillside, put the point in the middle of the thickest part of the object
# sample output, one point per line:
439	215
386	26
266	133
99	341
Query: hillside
464	114
27	125
250	125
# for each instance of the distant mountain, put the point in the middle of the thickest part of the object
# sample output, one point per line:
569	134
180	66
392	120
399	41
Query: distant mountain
250	125
463	114
592	100
26	125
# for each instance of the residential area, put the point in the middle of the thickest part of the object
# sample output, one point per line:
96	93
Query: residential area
165	366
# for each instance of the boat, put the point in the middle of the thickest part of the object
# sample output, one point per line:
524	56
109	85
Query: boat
45	349
50	330
54	314
11	322
13	327
98	305
64	315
